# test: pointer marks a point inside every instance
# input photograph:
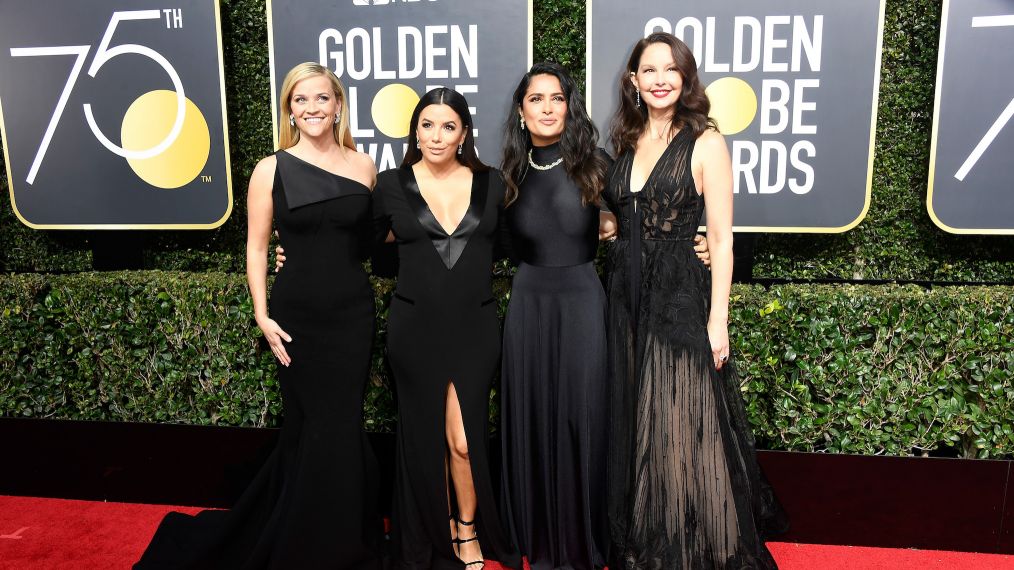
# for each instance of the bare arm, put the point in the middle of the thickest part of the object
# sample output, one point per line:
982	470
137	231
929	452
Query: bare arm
259	216
716	176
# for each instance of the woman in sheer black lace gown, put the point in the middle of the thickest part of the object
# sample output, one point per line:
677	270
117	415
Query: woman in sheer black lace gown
685	490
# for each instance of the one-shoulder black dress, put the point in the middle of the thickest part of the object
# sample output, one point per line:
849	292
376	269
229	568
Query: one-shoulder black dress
554	385
442	329
685	490
313	504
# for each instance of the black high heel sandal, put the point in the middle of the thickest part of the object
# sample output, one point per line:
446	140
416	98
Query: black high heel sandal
459	541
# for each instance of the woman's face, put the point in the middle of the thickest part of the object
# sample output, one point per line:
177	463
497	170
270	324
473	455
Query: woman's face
314	105
439	132
544	109
657	78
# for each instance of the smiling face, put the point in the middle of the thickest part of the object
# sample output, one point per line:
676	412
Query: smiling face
439	132
657	77
314	105
544	109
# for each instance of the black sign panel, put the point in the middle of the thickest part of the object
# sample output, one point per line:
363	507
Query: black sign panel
793	86
388	53
971	179
113	113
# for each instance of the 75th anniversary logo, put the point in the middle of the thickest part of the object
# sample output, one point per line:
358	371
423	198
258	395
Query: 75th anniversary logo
113	113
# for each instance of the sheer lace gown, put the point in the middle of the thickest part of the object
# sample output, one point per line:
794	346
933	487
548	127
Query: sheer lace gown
685	490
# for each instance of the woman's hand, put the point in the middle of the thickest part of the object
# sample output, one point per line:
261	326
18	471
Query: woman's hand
700	248
718	334
607	226
280	258
275	335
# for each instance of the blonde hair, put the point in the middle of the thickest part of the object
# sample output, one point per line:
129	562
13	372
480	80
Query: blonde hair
288	134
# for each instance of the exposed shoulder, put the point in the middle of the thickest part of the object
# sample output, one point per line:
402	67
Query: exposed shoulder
264	173
711	140
364	168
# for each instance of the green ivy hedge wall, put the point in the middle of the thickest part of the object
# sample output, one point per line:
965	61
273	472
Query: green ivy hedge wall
888	369
840	368
897	240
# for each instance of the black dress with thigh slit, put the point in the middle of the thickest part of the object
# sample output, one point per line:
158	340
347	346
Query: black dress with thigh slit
442	330
554	386
685	489
313	504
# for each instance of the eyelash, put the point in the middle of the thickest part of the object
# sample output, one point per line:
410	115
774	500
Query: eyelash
302	100
427	125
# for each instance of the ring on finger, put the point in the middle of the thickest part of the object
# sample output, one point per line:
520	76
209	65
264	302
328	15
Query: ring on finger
724	357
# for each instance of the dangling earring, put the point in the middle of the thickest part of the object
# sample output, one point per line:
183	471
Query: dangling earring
292	120
522	123
417	142
337	117
638	98
459	148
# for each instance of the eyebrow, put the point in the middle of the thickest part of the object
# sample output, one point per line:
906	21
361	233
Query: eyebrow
427	119
543	94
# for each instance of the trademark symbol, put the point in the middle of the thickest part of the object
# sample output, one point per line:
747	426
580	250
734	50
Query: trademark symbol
205	178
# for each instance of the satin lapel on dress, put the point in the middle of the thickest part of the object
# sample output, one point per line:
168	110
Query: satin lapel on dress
305	183
449	246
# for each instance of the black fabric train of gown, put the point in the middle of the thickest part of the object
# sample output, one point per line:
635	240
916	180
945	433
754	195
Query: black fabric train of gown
313	504
685	490
554	389
442	328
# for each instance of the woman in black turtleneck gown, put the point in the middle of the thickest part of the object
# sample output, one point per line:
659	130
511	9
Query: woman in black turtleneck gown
554	377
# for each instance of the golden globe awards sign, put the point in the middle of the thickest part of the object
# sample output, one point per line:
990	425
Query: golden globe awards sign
970	188
388	53
113	114
793	86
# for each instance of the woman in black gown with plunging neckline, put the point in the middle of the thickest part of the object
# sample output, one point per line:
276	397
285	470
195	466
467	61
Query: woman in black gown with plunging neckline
313	504
443	334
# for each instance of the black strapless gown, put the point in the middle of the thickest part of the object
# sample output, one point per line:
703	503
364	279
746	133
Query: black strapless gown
685	490
554	388
313	504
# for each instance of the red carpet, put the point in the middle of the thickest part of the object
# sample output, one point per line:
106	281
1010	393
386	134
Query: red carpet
41	534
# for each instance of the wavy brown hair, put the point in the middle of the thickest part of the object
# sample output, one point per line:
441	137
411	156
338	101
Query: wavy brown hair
692	107
585	166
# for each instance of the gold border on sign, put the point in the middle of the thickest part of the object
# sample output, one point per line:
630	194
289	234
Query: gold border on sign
271	76
933	142
873	130
531	34
225	147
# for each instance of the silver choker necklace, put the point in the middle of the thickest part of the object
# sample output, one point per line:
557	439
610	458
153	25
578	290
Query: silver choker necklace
543	166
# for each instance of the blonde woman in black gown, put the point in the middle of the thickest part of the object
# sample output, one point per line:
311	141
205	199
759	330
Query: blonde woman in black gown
313	505
685	490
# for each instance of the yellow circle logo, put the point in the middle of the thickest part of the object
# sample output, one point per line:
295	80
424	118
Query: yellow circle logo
392	109
733	104
148	121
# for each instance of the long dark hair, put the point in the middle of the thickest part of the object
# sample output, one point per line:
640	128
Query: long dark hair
456	101
692	108
578	144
